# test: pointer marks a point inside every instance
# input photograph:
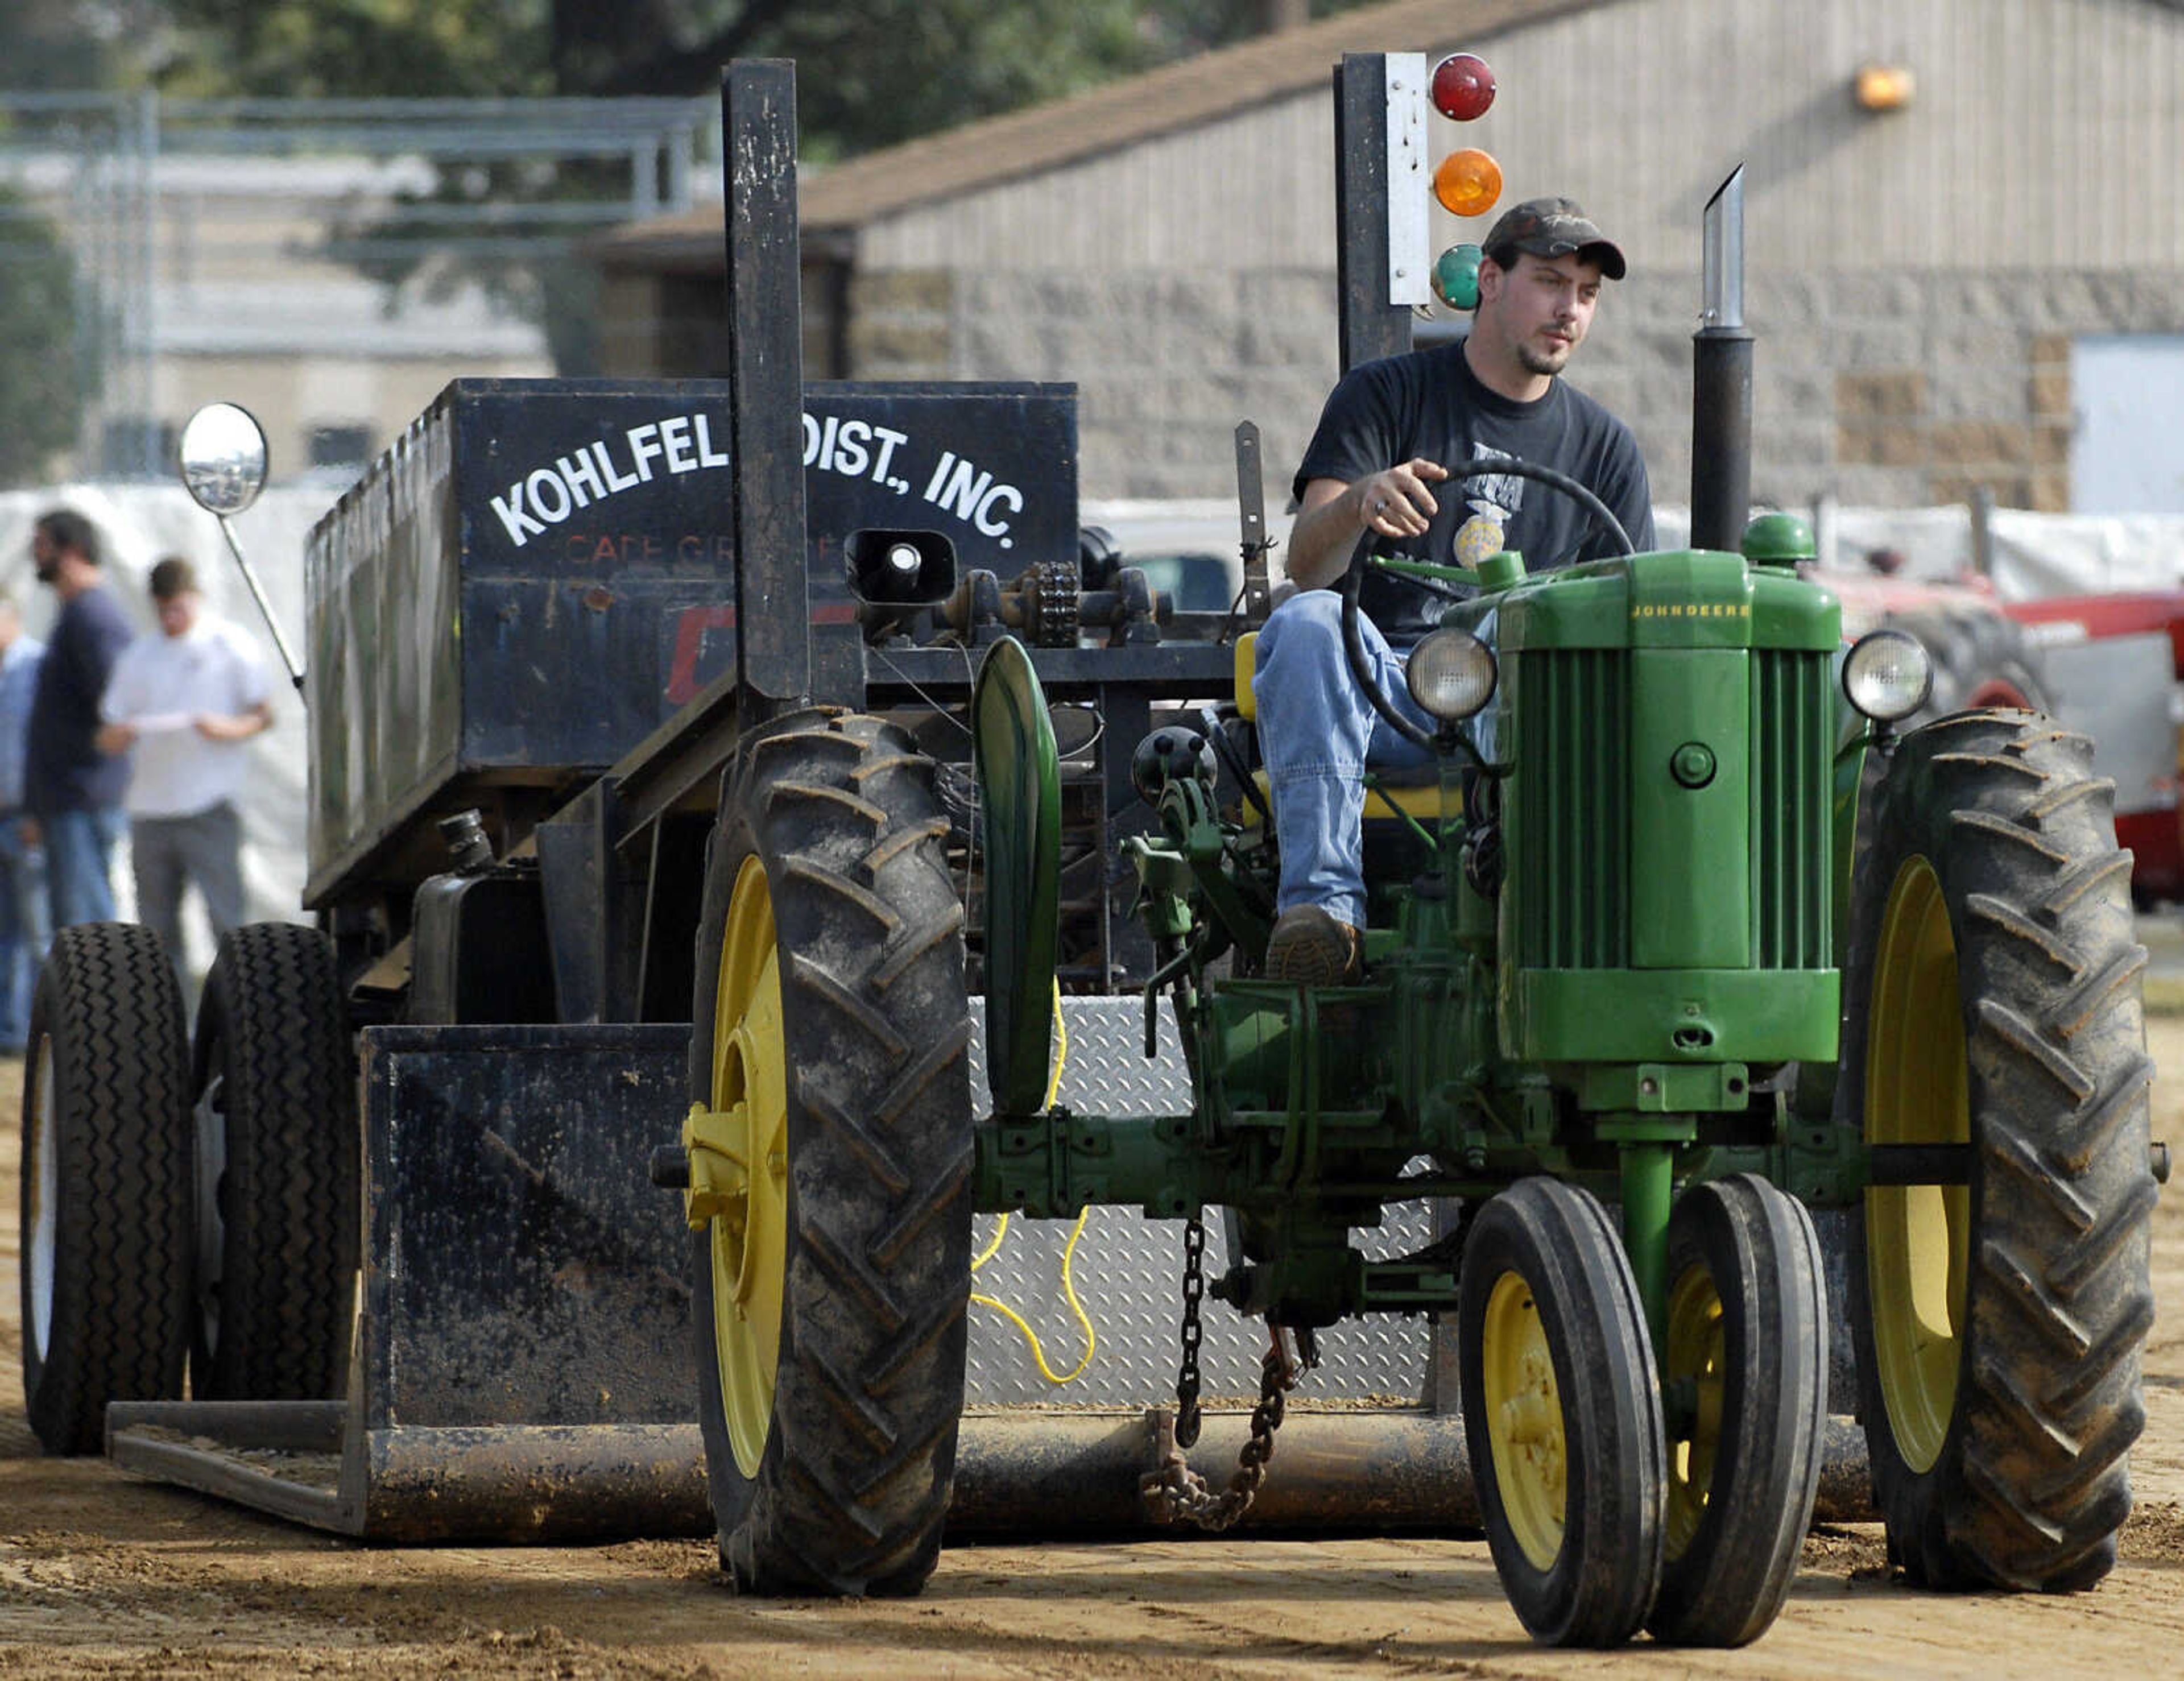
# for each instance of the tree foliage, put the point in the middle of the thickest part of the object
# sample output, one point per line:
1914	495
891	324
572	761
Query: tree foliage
49	44
878	72
327	49
44	45
870	74
42	395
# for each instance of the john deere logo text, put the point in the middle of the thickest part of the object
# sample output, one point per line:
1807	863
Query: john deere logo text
1694	609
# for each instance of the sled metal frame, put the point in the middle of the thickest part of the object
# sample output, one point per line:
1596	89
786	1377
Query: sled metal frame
519	1284
507	1382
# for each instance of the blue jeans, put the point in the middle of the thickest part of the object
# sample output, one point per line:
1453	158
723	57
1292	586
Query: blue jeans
1317	733
79	862
22	930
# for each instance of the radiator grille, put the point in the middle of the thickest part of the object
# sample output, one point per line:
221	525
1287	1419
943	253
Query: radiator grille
1791	787
1575	817
1573	812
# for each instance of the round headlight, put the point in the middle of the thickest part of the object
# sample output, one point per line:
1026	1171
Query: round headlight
1452	675
1888	674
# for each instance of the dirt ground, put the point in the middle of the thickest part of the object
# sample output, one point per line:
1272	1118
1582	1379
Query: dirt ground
103	1574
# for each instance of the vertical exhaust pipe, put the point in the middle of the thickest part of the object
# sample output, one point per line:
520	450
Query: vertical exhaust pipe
1721	379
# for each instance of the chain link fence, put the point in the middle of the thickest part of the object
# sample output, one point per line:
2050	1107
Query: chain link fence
327	258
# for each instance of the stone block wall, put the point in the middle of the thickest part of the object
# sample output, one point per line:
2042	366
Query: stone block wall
1165	363
902	325
1884	390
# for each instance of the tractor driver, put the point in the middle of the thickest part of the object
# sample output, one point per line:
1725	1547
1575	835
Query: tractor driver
1494	395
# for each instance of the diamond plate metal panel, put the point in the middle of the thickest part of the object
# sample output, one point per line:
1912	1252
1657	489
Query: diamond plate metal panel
1128	1270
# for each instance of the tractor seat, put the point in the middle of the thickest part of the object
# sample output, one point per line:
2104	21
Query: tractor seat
1412	793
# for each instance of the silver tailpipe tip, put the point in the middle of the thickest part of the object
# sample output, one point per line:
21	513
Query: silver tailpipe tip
1722	302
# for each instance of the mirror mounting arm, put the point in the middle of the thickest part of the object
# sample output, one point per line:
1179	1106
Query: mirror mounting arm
223	461
265	607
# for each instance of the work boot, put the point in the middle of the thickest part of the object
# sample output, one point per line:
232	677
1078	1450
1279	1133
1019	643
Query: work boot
1311	947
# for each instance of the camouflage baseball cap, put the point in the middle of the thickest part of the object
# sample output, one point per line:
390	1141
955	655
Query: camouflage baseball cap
1553	227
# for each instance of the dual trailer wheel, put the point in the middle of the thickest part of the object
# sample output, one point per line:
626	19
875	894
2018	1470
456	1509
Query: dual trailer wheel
184	1212
1998	1320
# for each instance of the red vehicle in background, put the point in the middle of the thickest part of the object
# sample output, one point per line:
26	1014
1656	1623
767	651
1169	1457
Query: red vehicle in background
2112	664
1982	656
2109	664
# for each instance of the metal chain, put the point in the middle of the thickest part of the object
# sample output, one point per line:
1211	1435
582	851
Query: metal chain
1194	1332
1175	1493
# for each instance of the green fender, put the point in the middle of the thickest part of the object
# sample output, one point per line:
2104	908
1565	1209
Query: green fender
1020	812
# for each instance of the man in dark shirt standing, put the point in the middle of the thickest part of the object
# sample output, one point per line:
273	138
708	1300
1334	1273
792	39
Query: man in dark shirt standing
74	791
1384	441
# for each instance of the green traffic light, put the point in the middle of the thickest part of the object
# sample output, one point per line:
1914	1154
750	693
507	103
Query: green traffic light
1456	276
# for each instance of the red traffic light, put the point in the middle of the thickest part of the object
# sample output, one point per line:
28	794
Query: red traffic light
1462	87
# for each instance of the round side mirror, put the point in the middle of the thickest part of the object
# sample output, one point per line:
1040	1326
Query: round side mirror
223	458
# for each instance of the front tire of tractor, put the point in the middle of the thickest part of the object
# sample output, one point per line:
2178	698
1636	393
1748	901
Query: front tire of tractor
106	1184
1999	1322
830	1045
1561	1414
278	1154
1747	1331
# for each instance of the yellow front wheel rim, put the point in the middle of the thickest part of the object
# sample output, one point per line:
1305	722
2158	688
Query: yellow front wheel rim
1917	1236
1698	1351
749	1238
1524	1419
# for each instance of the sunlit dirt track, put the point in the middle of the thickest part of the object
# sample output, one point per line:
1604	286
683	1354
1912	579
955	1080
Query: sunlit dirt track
103	1575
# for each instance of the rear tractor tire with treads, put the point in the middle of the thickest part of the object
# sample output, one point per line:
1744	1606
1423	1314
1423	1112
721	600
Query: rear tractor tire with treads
832	1031
1997	1009
106	1184
278	1154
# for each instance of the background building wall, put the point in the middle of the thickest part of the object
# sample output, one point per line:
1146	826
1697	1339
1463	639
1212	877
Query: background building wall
1878	389
2040	133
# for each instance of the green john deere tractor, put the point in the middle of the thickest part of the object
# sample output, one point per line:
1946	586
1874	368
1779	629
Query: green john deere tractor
1691	948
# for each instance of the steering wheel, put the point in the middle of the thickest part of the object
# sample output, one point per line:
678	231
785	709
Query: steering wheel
1353	636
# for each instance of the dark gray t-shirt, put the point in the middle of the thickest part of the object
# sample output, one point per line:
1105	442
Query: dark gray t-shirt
1429	403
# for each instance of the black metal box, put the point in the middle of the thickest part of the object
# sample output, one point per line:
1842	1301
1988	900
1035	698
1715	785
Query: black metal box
539	573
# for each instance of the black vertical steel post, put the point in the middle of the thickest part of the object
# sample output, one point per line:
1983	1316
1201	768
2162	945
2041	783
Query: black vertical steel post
1721	436
766	377
1721	379
1371	326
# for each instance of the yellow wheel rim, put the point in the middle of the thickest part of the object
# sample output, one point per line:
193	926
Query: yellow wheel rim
749	1237
1524	1419
1696	1351
1917	1236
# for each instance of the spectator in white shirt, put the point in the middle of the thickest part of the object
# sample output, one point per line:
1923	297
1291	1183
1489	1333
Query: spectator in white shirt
186	700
